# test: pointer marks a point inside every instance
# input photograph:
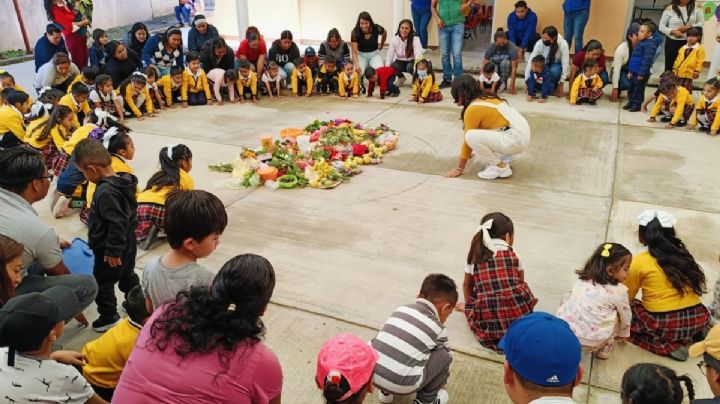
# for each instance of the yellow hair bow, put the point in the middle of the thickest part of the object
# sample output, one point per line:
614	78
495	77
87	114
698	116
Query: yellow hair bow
606	250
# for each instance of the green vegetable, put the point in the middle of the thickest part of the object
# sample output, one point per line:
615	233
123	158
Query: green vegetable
287	181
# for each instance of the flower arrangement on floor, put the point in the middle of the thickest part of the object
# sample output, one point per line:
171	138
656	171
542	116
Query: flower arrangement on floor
323	155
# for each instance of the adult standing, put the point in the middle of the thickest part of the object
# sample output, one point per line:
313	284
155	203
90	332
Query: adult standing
577	13
364	43
421	15
620	67
122	62
61	13
24	180
201	32
48	45
677	18
505	56
522	28
405	48
554	49
164	50
58	73
284	52
253	49
137	36
493	130
215	53
450	18
215	333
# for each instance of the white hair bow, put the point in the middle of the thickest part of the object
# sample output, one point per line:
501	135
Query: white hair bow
138	74
667	220
107	136
43	90
486	239
103	117
38	107
170	148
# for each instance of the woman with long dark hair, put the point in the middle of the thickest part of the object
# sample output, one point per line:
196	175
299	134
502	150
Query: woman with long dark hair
215	335
554	49
215	53
284	52
405	48
62	13
122	62
364	43
253	49
677	18
620	67
137	36
164	51
670	313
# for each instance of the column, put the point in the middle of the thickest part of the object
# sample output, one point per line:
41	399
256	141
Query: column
398	15
241	8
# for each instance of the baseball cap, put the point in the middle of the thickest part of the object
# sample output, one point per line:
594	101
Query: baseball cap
310	51
347	356
542	349
50	28
709	348
26	320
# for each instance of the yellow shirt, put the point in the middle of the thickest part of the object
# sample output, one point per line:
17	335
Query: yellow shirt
78	135
306	76
686	68
69	101
108	354
249	81
11	120
35	125
20	88
167	85
348	84
580	83
129	96
702	104
58	135
119	166
658	294
158	195
682	98
194	84
77	79
481	117
425	87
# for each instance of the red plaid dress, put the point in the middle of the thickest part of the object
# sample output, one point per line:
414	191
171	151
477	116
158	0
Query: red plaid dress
61	163
706	114
589	94
148	214
668	110
662	333
50	155
499	297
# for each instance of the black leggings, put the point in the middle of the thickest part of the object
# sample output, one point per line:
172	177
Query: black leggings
672	47
404	66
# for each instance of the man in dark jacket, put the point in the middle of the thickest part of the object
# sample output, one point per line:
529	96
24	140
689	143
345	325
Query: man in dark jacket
111	228
48	45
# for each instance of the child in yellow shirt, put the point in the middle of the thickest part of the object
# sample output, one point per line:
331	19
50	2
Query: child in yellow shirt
587	86
348	81
425	87
327	80
706	110
195	88
12	119
8	81
689	62
136	96
302	79
171	85
246	82
77	101
88	76
49	139
675	103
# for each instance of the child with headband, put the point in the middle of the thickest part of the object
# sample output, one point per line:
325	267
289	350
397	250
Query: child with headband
597	307
494	288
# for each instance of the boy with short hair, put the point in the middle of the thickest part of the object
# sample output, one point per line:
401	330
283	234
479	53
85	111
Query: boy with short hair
77	100
411	363
88	76
539	79
111	228
246	81
108	354
385	78
194	221
302	78
327	77
195	89
171	86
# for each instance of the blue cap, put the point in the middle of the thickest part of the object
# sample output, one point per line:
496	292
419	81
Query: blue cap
542	349
310	51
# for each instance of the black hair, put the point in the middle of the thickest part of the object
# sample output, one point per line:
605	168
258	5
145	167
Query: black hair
199	17
47	96
91	72
6	75
151	71
120	141
690	7
244	64
357	31
193	214
538	59
169	174
589	63
606	255
91	151
192	56
500	33
79	89
109	123
714	82
667	77
5	93
439	287
428	67
135	305
96	35
299	61
409	44
334	33
175	70
674	259
521	4
334	392
101	79
170	32
135	28
20	166
651	26
667	87
552	32
16	97
111	48
369	72
467	88
650	383
136	77
252	30
330	59
52	28
489	68
592	45
286	35
218	318
59	113
694	31
230	75
501	226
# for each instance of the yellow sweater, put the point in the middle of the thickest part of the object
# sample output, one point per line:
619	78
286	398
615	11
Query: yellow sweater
36	125
348	85
108	354
249	81
683	98
119	166
158	195
425	87
481	117
11	120
69	101
167	85
702	104
307	76
129	96
658	294
580	83
78	135
194	84
686	67
58	135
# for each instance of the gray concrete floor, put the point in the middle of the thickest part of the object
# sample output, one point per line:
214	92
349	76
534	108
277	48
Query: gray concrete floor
345	258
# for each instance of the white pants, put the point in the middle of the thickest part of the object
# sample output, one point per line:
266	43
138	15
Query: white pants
489	145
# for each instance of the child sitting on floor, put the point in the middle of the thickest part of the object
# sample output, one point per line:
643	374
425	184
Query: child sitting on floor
587	86
597	307
690	58
348	81
385	78
425	87
12	119
151	75
539	80
175	165
88	76
417	363
49	138
489	79
77	100
327	77
272	81
195	88
706	110
302	79
665	77
246	82
312	61
8	81
345	366
223	85
194	221
171	86
105	97
136	96
108	354
494	287
675	103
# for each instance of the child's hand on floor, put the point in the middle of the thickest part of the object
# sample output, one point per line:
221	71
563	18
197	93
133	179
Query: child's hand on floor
152	115
713	132
141	118
112	261
209	102
651	119
669	126
184	104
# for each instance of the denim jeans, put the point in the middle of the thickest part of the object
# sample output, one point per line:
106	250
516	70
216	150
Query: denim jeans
451	40
555	74
623	83
604	77
371	59
421	19
285	72
636	91
182	13
574	27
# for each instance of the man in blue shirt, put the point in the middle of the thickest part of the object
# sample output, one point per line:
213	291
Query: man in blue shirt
522	28
48	45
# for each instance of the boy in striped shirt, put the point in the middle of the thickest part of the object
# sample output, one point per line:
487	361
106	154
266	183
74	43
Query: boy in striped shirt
412	345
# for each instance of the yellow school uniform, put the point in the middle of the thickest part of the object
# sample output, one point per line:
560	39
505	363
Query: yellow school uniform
658	294
305	75
108	354
249	81
480	116
36	125
21	89
119	166
425	87
12	120
703	104
78	135
168	87
194	83
77	79
158	195
58	135
686	67
128	95
581	82
348	84
683	98
69	101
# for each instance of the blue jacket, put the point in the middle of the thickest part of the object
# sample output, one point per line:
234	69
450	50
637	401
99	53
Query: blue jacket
422	5
44	51
152	45
196	39
539	81
521	29
576	5
641	58
98	57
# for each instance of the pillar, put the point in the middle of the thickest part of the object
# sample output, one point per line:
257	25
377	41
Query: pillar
243	21
398	14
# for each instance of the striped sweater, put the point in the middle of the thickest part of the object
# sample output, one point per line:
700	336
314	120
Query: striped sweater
670	20
404	345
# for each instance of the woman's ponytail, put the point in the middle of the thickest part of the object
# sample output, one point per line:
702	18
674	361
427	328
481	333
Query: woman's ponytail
688	386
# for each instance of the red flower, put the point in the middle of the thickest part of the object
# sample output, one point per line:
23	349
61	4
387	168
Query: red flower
359	149
314	137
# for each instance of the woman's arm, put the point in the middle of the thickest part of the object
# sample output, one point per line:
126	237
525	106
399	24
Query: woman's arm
664	25
383	38
390	57
417	49
355	56
261	64
436	16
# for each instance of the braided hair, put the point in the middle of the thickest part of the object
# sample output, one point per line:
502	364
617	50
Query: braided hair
650	383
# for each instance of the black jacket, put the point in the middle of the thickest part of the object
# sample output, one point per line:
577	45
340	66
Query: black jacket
113	216
209	61
120	70
283	56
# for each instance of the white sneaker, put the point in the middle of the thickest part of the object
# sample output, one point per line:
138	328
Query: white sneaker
494	172
385	398
442	398
402	80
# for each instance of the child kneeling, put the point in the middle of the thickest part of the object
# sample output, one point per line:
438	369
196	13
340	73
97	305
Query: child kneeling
675	103
425	87
587	87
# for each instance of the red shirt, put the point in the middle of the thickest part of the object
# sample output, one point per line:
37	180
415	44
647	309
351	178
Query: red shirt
251	54
579	58
383	73
64	16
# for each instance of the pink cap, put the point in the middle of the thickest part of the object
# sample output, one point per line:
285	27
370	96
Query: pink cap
347	356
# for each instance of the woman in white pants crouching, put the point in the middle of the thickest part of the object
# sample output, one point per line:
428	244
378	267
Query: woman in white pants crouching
494	130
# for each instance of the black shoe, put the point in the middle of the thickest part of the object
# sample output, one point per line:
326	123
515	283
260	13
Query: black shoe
445	84
680	354
104	324
680	123
396	94
592	103
705	129
579	102
363	90
633	109
666	118
626	106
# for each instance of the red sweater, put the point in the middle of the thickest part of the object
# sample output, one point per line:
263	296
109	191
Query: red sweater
383	74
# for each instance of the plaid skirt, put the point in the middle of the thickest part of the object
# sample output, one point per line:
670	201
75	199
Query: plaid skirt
706	117
432	97
590	94
61	163
148	215
662	333
687	83
687	110
50	154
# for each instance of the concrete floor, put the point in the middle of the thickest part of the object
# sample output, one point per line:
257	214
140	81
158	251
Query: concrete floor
346	258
